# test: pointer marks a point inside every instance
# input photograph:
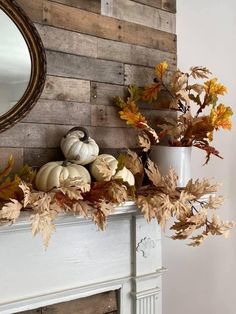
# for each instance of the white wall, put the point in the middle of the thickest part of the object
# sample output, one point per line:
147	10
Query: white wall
202	280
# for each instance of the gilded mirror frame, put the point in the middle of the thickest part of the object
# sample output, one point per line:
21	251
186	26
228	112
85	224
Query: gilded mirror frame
38	64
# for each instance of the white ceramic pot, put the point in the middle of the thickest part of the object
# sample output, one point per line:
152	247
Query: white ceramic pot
178	158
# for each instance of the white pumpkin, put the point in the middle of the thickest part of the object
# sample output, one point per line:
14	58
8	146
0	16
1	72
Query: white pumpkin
126	175
50	174
109	159
78	147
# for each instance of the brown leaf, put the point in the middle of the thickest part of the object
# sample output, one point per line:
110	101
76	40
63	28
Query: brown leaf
144	142
11	210
74	188
6	171
43	224
26	191
153	173
9	188
104	169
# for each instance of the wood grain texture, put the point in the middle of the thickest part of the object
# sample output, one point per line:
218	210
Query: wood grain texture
67	89
168	5
90	46
49	136
60	112
103	303
89	5
37	157
134	12
74	19
103	94
72	66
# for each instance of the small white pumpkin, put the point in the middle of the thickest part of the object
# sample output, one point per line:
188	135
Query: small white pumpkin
50	174
110	160
126	175
78	147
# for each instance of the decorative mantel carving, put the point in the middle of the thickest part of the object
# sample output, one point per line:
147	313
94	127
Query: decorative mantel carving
145	246
82	261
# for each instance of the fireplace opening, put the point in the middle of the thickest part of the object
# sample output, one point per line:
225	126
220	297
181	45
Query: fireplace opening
103	303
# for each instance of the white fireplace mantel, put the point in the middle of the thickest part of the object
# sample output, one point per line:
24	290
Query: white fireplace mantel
82	261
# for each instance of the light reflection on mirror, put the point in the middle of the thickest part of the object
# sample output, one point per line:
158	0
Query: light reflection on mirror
15	64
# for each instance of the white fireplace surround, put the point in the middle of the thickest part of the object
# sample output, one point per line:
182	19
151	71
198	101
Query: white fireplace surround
82	261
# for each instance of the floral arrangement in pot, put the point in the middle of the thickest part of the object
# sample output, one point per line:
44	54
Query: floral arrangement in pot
199	114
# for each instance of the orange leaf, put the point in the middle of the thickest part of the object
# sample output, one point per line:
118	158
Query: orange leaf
161	69
132	116
150	92
220	117
5	172
10	188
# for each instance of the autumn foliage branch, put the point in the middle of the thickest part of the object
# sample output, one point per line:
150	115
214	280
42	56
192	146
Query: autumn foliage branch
179	92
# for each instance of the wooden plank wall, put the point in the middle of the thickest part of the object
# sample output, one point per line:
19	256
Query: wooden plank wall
94	49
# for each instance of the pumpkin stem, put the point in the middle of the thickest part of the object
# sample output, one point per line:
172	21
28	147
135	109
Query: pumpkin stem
79	128
65	163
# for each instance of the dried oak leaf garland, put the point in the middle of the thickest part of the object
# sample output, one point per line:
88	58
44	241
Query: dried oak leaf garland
159	199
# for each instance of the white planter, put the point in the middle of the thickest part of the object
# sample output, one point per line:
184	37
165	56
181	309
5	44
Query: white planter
178	158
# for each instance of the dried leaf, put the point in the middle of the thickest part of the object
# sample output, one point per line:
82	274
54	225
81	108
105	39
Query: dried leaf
6	171
26	191
199	72
105	169
11	210
74	188
144	142
160	69
9	188
43	224
201	188
153	173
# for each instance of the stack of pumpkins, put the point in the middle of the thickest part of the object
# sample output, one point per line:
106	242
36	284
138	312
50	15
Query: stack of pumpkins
79	150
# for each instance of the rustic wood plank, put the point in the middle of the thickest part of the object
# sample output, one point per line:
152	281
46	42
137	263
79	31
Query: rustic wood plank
103	303
106	115
34	9
91	5
90	46
134	12
140	75
103	94
110	28
60	112
17	154
168	5
37	157
133	54
66	41
85	68
67	89
49	136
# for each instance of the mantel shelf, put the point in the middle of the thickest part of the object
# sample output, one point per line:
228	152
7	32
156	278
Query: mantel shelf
23	222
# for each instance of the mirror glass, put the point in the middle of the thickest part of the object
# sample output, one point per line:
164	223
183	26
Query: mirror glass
15	64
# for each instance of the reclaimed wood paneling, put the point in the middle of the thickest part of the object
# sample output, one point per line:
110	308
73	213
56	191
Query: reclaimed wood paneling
89	5
67	89
103	94
50	111
90	46
67	65
49	136
168	5
106	27
140	14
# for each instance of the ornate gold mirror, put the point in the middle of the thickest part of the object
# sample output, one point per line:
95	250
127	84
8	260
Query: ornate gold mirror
22	64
